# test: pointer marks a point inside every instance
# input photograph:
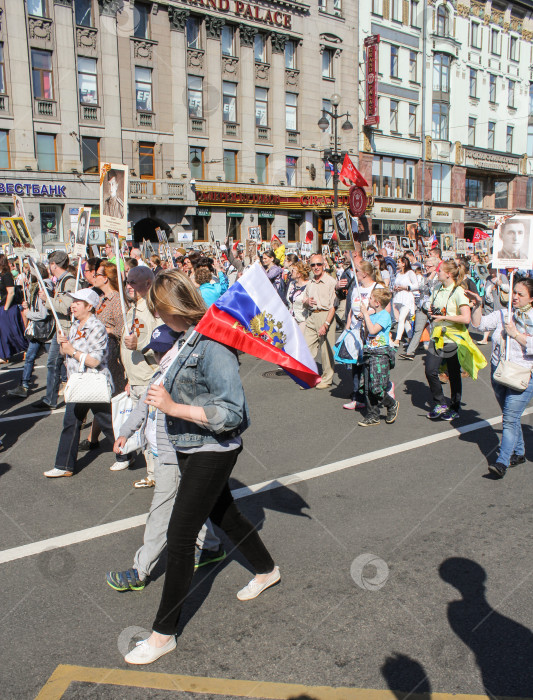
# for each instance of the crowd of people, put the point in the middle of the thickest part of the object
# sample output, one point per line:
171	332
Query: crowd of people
132	321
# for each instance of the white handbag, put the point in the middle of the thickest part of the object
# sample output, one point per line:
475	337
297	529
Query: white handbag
87	387
508	373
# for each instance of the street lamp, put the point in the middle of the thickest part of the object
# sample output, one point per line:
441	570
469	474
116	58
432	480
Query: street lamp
335	156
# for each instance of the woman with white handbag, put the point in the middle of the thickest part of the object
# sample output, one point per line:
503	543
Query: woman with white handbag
510	371
89	385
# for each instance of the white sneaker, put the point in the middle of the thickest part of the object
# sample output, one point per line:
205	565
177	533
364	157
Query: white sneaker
55	473
145	653
253	589
353	405
391	392
119	466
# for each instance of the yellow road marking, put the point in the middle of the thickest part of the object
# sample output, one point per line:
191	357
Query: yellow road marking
64	675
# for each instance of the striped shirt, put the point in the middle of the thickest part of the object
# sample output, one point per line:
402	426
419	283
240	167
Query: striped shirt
91	338
517	353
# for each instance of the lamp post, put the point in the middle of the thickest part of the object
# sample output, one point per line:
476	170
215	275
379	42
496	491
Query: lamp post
335	156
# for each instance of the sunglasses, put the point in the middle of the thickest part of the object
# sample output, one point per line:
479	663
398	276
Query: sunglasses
317	265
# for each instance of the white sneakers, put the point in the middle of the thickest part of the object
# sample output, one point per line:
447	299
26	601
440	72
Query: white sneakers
144	653
56	473
119	466
254	588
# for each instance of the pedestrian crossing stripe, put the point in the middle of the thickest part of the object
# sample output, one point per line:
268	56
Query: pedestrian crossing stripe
64	675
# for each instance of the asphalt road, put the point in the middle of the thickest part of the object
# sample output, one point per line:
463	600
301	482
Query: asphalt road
410	572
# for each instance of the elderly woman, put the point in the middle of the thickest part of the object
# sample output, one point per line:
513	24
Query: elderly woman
87	340
206	413
296	291
518	331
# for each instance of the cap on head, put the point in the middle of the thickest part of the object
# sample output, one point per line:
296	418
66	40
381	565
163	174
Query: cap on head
60	258
140	275
163	338
89	296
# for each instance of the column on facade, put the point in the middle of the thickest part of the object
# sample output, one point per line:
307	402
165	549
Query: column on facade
247	112
68	146
212	88
180	116
277	90
112	148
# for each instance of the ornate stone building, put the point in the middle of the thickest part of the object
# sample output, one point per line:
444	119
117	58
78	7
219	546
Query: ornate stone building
212	104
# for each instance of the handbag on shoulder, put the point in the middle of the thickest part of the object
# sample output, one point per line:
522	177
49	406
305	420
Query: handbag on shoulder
87	387
510	374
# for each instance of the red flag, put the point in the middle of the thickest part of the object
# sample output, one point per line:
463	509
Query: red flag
309	237
349	173
479	235
275	238
334	236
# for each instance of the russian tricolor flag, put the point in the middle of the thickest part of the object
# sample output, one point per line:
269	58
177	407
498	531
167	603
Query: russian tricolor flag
251	317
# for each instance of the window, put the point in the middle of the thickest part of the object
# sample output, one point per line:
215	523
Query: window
37	8
495	42
291	165
474	192
414	7
530	140
396	10
197	168
90	154
260	48
509	139
412	120
492	88
291	109
326	107
4	149
51	223
87	85
337	8
143	89
511	93
475	35
141	20
229	101
84	13
227	40
513	48
199	228
529	193
471	131
441	182
290	54
393	177
146	160
2	70
394	115
441	73
261	106
501	194
193	33
377	7
327	63
412	66
230	166
473	83
194	97
491	135
440	121
41	69
322	5
442	21
261	166
394	61
46	152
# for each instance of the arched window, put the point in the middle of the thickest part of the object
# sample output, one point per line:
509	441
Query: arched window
442	21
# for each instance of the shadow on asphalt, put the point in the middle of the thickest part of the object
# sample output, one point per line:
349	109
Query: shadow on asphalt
4	468
502	647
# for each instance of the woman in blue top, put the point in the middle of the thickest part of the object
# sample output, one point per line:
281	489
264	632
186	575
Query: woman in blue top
210	290
203	399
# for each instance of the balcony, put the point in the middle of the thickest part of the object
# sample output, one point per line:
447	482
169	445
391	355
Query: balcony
45	108
231	129
196	125
262	133
146	119
90	113
293	138
4	103
445	44
157	190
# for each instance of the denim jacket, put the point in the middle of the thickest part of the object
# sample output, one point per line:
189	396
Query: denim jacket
206	373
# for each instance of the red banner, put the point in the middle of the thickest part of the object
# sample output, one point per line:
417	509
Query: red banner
372	66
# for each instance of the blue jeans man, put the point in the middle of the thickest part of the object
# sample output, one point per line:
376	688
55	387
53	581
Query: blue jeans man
54	366
513	404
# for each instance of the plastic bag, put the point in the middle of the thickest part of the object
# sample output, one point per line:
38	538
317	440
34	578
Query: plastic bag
121	408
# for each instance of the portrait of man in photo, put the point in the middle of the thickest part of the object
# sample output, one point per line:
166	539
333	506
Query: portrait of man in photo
514	240
83	225
23	232
114	198
11	231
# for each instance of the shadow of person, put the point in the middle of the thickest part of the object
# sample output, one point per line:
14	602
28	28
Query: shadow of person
419	393
405	675
503	648
4	468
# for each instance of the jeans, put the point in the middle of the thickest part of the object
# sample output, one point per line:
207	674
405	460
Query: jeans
420	323
203	493
32	352
53	377
513	404
357	374
167	479
75	414
434	359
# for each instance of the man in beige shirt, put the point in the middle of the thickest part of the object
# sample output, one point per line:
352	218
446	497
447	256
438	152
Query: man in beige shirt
136	335
319	327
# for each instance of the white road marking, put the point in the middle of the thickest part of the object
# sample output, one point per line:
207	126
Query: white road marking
22	416
19	369
92	533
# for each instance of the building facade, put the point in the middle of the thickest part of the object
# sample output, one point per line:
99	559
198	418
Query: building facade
212	104
454	141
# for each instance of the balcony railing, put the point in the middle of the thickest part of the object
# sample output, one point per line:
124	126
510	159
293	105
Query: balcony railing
4	103
45	108
231	129
145	119
90	113
156	190
196	125
262	133
293	137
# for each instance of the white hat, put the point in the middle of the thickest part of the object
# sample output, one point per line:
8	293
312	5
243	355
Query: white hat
89	296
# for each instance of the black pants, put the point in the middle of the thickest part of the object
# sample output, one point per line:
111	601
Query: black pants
203	493
75	414
434	359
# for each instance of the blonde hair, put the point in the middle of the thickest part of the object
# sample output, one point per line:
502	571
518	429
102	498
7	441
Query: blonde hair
369	269
303	269
383	296
173	293
455	271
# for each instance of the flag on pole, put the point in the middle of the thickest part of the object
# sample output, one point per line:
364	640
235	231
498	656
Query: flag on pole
328	171
251	317
433	241
479	235
350	174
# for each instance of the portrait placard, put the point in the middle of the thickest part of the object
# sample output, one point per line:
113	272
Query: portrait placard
513	244
343	228
114	198
82	231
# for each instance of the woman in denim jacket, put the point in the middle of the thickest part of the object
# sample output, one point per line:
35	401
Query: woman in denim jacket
203	399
